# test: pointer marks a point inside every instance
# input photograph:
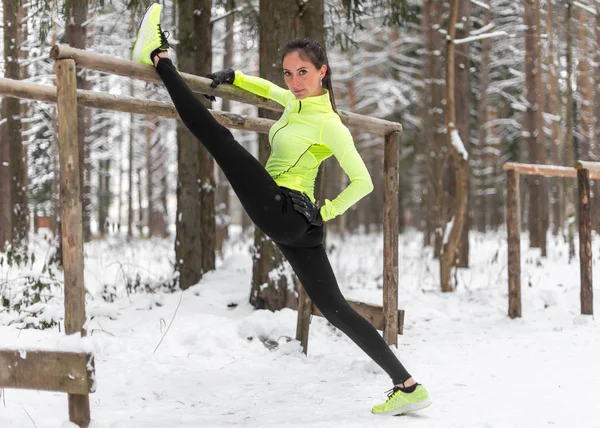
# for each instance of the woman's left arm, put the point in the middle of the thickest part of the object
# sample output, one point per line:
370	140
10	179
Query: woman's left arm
338	138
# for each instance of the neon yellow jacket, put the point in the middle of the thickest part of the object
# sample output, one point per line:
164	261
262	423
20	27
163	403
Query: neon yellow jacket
307	133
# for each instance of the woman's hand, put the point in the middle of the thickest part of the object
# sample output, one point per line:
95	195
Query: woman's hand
305	206
218	77
223	76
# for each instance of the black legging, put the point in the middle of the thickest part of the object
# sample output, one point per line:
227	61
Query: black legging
271	210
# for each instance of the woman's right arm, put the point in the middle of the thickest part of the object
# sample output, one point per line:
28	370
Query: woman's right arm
263	88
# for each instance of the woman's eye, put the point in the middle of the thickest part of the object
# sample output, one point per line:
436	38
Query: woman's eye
302	72
287	74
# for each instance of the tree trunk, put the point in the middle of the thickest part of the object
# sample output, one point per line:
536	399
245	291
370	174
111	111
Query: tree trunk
5	180
556	184
131	146
140	186
569	144
76	36
13	126
433	152
462	94
596	122
278	22
484	203
223	208
130	171
460	158
195	241
534	125
586	110
155	173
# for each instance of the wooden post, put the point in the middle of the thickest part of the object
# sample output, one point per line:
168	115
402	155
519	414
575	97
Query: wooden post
304	314
585	243
513	227
391	179
71	219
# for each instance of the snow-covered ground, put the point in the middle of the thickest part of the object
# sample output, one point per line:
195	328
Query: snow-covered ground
212	369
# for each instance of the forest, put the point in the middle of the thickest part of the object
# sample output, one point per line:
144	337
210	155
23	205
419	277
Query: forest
525	83
174	268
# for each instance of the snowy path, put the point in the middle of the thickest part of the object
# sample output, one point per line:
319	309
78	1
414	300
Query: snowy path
481	368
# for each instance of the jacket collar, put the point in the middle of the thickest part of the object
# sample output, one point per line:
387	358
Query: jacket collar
319	103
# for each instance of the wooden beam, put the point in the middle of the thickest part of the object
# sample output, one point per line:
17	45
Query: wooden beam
547	170
593	167
71	218
46	93
122	67
68	372
513	227
391	229
585	241
372	313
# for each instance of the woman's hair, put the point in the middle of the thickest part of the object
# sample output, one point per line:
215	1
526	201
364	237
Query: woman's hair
315	53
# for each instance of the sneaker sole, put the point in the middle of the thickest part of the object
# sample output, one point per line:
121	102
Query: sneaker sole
137	49
408	408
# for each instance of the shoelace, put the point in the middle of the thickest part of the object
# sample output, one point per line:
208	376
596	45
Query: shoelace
164	35
390	392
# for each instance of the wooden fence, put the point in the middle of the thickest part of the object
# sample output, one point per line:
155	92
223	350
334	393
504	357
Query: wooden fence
73	372
583	171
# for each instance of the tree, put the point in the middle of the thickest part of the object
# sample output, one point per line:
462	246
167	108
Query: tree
557	185
278	22
12	112
195	240
433	151
536	139
223	209
453	230
462	95
5	181
569	148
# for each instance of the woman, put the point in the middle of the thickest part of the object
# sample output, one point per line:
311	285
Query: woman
308	132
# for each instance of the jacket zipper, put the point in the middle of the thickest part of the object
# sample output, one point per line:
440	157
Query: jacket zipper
286	124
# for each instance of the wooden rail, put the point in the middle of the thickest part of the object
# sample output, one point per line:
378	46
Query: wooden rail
68	372
372	313
583	172
126	68
46	93
547	170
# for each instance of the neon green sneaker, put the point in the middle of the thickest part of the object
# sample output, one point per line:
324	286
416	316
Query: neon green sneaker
400	402
150	36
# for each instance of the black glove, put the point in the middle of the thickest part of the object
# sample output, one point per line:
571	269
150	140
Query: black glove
223	76
218	77
305	206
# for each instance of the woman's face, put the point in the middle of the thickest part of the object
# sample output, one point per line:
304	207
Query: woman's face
302	77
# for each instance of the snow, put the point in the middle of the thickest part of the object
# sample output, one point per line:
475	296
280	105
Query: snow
213	368
458	144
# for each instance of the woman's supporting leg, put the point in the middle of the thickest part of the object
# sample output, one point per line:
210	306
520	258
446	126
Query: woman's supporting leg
260	196
316	275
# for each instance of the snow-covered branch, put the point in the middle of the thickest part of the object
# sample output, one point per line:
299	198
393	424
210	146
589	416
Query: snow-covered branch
585	7
481	4
483	29
480	37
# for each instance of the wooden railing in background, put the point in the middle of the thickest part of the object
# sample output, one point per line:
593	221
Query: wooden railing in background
583	171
